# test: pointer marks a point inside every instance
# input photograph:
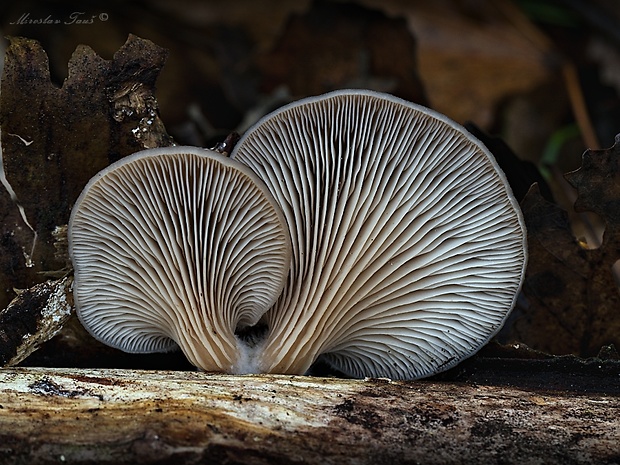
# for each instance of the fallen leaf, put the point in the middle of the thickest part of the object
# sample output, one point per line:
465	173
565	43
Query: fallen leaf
343	45
573	303
473	56
598	187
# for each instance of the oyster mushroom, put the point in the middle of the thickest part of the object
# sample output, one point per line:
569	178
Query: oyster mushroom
178	246
354	227
408	247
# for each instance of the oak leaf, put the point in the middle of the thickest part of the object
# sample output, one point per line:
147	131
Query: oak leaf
573	303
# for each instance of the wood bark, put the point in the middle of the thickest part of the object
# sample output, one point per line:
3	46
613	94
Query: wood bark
34	317
122	416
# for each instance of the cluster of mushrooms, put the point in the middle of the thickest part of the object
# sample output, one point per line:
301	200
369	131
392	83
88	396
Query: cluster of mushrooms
354	227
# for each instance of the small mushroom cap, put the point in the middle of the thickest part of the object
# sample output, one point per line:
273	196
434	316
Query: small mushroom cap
177	246
409	248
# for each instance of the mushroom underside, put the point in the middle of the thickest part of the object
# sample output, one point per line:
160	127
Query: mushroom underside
352	227
408	246
177	246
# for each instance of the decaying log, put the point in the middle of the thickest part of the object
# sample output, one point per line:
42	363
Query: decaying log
34	317
115	416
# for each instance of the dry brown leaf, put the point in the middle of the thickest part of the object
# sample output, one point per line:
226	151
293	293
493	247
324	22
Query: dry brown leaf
339	45
573	299
473	55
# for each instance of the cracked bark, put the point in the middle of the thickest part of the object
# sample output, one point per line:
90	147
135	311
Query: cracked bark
116	416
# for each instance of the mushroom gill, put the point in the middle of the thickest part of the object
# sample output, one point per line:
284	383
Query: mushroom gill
177	246
408	247
352	227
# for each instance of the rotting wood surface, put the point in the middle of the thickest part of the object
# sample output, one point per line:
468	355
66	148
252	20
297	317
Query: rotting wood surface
121	416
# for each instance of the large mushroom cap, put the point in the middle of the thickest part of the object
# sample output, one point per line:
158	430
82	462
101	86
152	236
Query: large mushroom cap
408	245
177	246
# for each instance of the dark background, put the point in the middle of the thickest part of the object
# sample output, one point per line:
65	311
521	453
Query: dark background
542	75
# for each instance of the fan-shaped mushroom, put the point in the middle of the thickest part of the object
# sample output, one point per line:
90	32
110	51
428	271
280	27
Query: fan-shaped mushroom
178	246
406	250
408	246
